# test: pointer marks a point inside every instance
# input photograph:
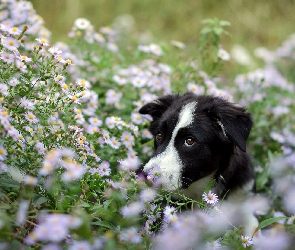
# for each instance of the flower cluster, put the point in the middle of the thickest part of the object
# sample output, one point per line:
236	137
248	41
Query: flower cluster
71	139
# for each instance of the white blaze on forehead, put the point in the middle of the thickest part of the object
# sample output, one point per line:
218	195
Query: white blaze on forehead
169	160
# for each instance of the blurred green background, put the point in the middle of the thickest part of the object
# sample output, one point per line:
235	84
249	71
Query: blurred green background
253	23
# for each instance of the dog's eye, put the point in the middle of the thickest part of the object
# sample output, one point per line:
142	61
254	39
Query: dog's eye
159	137
189	141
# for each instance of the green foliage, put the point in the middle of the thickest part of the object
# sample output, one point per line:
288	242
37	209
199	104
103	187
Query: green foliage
71	137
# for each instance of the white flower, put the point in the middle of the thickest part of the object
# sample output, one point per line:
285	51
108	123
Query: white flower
31	117
55	51
42	42
210	198
213	245
10	43
130	235
82	23
132	209
30	180
80	245
246	241
169	213
22	212
3	153
3	89
148	195
178	44
223	55
196	89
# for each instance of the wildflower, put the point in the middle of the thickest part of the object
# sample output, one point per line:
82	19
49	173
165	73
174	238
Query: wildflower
47	168
246	241
3	167
95	122
170	214
59	79
112	47
3	153
3	89
154	174
291	220
54	51
198	90
7	57
289	200
80	245
129	164
178	44
13	82
21	66
273	240
148	195
210	198
3	15
119	79
127	139
82	23
112	97
51	246
30	180
146	134
107	30
213	244
26	103
279	214
99	37
131	235
31	117
22	212
10	43
104	169
83	83
114	143
25	59
139	81
132	209
155	49
42	42
136	118
74	171
223	55
277	137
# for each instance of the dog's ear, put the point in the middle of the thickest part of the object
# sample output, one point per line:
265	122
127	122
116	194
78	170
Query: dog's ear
157	107
234	122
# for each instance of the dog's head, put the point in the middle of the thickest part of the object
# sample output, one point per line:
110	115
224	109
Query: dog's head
194	137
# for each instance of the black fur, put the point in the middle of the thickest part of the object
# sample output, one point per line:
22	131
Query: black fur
220	130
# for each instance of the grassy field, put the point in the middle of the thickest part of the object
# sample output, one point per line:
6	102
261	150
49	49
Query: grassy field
253	23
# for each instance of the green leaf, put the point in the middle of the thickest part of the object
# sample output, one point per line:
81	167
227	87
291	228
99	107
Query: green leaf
268	222
102	224
206	30
40	201
209	186
224	23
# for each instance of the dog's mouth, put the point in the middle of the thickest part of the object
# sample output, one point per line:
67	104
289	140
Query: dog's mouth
186	182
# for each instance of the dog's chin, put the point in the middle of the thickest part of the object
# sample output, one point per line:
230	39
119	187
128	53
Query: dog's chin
193	191
197	188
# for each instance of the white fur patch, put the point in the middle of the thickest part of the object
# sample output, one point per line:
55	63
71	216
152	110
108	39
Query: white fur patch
169	161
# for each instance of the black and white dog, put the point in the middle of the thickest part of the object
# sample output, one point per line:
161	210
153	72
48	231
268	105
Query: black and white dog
198	139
